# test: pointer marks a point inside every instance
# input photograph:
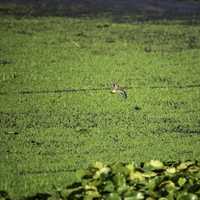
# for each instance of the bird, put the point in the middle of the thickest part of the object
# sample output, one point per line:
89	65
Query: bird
116	89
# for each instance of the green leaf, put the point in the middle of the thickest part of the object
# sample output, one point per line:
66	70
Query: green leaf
98	165
187	196
194	169
181	181
65	193
130	167
140	196
130	193
103	172
136	176
89	195
194	188
109	187
120	168
152	184
168	185
184	165
119	180
156	164
80	174
113	196
149	174
150	198
171	170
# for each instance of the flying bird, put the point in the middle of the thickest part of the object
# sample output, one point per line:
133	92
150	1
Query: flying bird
116	89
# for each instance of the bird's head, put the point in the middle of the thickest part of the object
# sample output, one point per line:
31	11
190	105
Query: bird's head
115	87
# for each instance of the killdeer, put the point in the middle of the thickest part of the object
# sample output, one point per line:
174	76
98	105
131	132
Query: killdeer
116	89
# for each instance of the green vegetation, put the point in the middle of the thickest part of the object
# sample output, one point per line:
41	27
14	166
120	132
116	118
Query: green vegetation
149	180
58	115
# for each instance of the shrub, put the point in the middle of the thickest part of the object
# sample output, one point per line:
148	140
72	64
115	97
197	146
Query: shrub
147	180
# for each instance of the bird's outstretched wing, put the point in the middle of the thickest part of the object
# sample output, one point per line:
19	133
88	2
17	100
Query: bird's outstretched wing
123	94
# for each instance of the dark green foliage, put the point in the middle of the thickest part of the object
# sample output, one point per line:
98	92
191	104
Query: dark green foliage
150	180
38	196
130	181
4	195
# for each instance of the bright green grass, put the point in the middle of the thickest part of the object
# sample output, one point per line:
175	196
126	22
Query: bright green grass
46	135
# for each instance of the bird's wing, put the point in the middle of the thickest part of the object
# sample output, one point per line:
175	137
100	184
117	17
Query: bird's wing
123	94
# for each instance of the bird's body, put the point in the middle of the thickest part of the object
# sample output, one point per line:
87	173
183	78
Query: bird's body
116	89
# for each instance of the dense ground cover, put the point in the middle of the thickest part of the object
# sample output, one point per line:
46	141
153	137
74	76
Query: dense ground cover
129	181
57	113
